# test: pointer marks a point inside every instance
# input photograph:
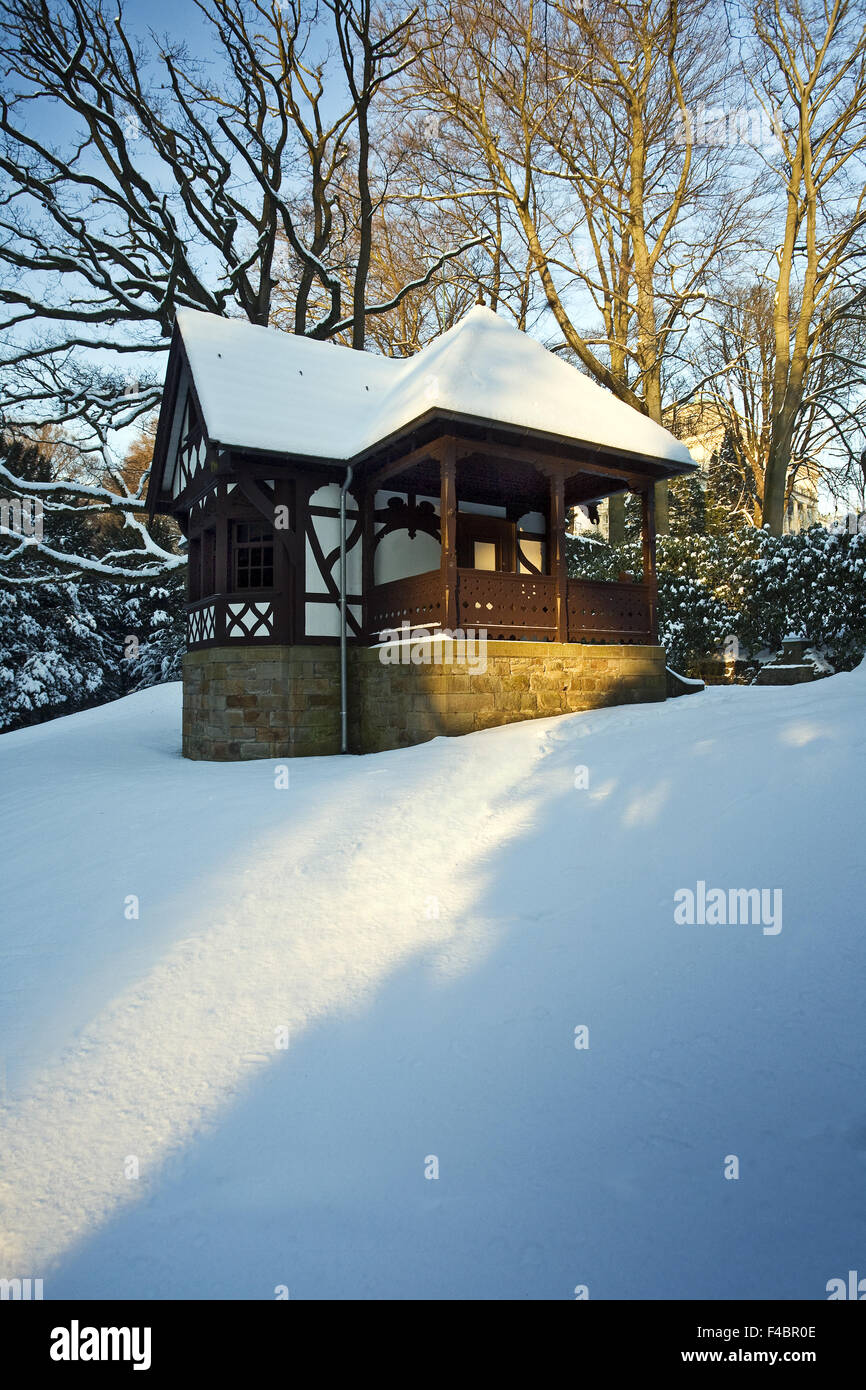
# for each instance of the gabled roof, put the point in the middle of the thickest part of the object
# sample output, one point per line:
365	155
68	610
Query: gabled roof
260	388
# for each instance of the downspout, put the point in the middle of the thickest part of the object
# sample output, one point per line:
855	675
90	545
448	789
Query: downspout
344	679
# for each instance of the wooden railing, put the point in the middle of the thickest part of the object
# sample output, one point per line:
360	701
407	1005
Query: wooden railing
417	601
507	605
512	606
248	617
604	612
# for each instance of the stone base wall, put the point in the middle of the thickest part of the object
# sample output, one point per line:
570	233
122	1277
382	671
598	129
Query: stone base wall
272	702
795	673
261	702
406	704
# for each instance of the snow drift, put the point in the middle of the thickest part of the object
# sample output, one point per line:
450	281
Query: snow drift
436	934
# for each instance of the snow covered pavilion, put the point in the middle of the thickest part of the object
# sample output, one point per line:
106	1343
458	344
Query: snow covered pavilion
455	470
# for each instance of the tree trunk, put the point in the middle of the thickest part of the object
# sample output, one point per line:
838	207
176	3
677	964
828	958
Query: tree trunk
616	518
776	474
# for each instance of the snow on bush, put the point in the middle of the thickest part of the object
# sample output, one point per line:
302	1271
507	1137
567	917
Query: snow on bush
751	586
68	645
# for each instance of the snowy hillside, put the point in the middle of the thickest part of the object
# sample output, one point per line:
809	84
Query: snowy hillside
432	926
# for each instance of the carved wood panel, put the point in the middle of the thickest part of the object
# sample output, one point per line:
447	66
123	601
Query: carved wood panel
608	613
507	605
418	600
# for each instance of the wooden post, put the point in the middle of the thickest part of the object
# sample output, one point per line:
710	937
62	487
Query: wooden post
368	537
304	488
222	575
648	536
297	547
558	555
448	532
282	565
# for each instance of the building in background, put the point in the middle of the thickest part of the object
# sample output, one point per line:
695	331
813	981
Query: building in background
703	426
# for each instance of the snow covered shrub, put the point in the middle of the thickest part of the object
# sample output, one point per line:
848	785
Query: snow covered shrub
699	596
53	653
695	615
69	643
751	585
66	646
811	584
693	620
154	617
589	558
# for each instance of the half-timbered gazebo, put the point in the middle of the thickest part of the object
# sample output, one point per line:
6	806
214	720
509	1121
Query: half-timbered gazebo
455	470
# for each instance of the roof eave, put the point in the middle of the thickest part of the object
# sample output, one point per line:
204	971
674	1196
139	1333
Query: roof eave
178	359
643	462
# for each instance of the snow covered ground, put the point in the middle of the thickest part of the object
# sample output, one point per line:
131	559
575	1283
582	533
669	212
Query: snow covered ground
432	926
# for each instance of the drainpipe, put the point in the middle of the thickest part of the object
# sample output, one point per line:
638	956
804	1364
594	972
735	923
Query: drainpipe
344	680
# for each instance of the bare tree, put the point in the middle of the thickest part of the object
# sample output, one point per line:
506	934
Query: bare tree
576	117
178	182
808	70
739	355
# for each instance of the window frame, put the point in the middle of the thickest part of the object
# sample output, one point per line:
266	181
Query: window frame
251	552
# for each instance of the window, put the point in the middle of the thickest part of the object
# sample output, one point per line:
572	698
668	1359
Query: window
485	542
253	566
486	556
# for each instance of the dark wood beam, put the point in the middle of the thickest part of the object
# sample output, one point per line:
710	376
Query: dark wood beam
492	436
222	577
552	465
164	423
558	555
615	476
263	502
648	538
368	543
448	528
425	453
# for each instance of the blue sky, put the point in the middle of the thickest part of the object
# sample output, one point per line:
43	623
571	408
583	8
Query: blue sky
176	17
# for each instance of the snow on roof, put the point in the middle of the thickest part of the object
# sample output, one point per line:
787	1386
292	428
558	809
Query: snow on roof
260	388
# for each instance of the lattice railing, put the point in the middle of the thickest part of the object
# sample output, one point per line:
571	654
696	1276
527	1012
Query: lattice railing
201	625
612	613
246	618
224	618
